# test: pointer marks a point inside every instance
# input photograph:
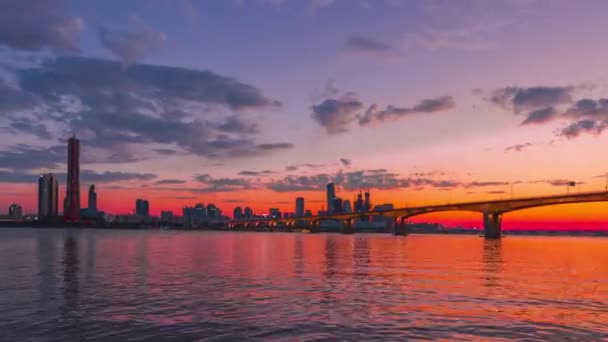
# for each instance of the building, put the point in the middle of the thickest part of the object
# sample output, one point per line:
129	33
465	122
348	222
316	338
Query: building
331	193
15	211
299	206
71	210
248	213
213	211
92	199
237	213
359	203
337	205
367	204
166	216
48	196
142	207
347	207
308	213
274	213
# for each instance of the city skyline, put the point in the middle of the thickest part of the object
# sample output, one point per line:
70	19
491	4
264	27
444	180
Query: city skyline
438	102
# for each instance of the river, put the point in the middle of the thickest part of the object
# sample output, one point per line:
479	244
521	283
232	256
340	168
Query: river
115	285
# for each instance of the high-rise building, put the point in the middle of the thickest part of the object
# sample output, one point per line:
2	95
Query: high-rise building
331	193
48	196
142	207
213	211
367	205
337	205
308	213
15	211
238	213
92	199
347	207
299	206
248	213
71	209
274	213
359	202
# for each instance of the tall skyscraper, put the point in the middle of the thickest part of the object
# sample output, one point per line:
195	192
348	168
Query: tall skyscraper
71	211
142	207
367	205
299	206
331	193
92	199
347	206
248	213
48	196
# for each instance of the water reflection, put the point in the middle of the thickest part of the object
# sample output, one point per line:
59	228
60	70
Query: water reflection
154	286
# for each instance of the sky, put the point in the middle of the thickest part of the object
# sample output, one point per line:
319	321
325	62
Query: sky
255	102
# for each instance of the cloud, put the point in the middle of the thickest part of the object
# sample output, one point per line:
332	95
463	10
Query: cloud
531	98
132	42
589	108
276	146
518	147
583	126
36	24
540	116
336	115
299	183
256	173
169	181
86	176
391	113
222	184
345	162
291	168
113	176
25	157
116	109
370	46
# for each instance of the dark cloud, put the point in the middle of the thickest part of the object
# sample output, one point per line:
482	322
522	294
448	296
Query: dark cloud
131	42
540	116
18	177
169	181
276	146
368	45
583	127
478	184
114	108
336	115
37	24
390	113
531	98
222	184
113	176
300	183
165	151
518	147
496	192
24	157
345	162
590	109
256	173
291	168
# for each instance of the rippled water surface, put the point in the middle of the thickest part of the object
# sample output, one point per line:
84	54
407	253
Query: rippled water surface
77	285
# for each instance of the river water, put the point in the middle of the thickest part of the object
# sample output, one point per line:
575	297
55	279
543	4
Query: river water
112	285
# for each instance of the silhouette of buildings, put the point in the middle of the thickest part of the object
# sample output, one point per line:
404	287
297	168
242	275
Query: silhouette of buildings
248	213
331	193
237	213
274	213
48	196
347	207
142	207
166	216
299	206
92	199
213	211
15	211
71	208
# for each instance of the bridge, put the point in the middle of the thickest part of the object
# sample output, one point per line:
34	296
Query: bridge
492	212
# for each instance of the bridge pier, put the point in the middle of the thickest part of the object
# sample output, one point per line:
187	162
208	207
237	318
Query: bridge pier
315	226
347	227
400	226
492	225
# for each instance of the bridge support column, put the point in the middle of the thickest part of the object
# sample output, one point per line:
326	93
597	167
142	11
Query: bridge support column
492	222
315	226
347	227
400	226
